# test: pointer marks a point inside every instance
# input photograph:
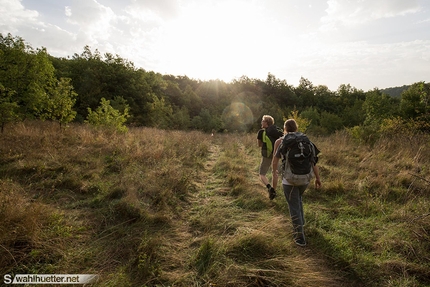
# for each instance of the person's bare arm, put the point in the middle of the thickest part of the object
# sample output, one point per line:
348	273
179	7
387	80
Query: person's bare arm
275	162
317	177
260	143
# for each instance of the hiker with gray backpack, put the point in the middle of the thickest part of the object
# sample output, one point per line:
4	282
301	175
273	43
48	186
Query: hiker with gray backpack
266	138
299	158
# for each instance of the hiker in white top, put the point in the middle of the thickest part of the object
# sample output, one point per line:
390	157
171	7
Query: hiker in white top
293	193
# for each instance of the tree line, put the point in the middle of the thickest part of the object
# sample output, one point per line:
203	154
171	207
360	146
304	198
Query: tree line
107	89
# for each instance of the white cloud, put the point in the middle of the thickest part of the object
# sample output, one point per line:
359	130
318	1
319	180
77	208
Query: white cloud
366	65
129	32
365	43
164	8
26	23
94	20
13	15
355	12
424	21
392	8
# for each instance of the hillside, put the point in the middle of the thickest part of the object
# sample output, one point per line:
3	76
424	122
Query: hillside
168	208
395	92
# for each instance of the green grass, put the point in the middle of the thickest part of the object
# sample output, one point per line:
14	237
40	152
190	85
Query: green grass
168	208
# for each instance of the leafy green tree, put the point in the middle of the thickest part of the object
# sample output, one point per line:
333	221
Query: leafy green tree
325	100
8	108
248	85
352	100
415	101
191	100
312	115
379	106
181	119
415	106
353	115
173	93
330	122
143	86
350	95
305	94
88	73
119	103
280	91
28	72
106	116
206	122
95	76
160	113
302	122
61	102
213	94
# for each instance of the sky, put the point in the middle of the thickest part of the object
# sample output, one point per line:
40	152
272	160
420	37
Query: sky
365	43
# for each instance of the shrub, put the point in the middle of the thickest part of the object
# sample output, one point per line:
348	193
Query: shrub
106	116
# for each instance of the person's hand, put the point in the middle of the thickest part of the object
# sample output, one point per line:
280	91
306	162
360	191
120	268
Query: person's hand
274	179
317	183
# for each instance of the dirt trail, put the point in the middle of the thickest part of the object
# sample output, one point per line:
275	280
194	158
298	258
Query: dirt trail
315	270
211	189
184	237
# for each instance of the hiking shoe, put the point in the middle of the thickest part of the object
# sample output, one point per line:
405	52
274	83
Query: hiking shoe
300	241
272	193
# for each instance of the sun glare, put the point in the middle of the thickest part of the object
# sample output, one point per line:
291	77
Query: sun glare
239	116
219	41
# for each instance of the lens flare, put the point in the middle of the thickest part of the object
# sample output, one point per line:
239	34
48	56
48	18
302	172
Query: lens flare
238	117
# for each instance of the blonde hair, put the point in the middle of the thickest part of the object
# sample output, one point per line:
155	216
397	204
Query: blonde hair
269	120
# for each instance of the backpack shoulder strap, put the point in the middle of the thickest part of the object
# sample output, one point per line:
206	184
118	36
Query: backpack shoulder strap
269	145
315	152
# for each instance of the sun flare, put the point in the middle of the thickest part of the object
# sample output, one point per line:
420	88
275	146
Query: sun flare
209	38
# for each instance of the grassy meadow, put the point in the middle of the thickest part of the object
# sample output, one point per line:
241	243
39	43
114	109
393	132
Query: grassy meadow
169	208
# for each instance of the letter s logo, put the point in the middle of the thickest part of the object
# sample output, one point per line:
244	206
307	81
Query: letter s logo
7	279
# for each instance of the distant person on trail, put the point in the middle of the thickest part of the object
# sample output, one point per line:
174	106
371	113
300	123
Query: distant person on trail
295	149
266	138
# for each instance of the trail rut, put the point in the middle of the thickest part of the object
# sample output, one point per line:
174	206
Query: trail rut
211	189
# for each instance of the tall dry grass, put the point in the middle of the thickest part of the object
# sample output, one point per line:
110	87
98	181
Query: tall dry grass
90	194
167	208
372	215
